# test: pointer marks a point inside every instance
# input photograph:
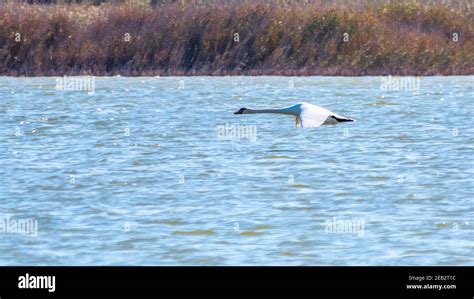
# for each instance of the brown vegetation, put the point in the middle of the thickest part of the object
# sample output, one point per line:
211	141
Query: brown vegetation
264	38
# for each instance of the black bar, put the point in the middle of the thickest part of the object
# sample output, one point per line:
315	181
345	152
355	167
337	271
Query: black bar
311	282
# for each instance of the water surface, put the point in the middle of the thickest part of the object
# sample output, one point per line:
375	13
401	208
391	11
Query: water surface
139	173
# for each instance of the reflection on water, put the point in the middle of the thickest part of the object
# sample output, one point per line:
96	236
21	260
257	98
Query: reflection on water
137	173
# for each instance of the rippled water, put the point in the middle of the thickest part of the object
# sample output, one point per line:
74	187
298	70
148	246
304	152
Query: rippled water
141	173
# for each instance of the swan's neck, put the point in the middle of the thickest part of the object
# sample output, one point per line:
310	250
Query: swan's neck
278	111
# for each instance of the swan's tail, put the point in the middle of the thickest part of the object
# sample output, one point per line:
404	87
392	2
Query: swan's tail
341	118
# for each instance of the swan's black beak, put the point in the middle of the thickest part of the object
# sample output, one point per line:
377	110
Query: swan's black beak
241	111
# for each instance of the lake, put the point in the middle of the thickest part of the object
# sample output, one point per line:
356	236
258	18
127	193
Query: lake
159	171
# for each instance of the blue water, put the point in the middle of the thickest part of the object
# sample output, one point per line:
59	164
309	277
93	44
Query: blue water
137	173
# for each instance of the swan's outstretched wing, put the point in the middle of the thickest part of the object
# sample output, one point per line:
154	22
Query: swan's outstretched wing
312	116
298	122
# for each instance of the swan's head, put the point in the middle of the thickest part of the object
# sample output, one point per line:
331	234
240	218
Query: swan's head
241	111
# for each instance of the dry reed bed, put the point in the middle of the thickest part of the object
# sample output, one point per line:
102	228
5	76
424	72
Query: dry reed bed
273	39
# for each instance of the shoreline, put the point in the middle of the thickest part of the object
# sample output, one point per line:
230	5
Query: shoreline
250	73
222	76
229	76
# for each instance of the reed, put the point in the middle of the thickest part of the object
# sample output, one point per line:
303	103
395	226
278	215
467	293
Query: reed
237	38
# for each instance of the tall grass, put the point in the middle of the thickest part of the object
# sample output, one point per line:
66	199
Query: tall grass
237	37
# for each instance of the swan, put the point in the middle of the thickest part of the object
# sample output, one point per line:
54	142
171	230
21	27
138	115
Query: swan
307	115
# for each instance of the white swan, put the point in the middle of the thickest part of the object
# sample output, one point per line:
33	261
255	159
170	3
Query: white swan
307	115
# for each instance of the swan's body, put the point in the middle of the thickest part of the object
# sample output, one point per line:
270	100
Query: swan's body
307	115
